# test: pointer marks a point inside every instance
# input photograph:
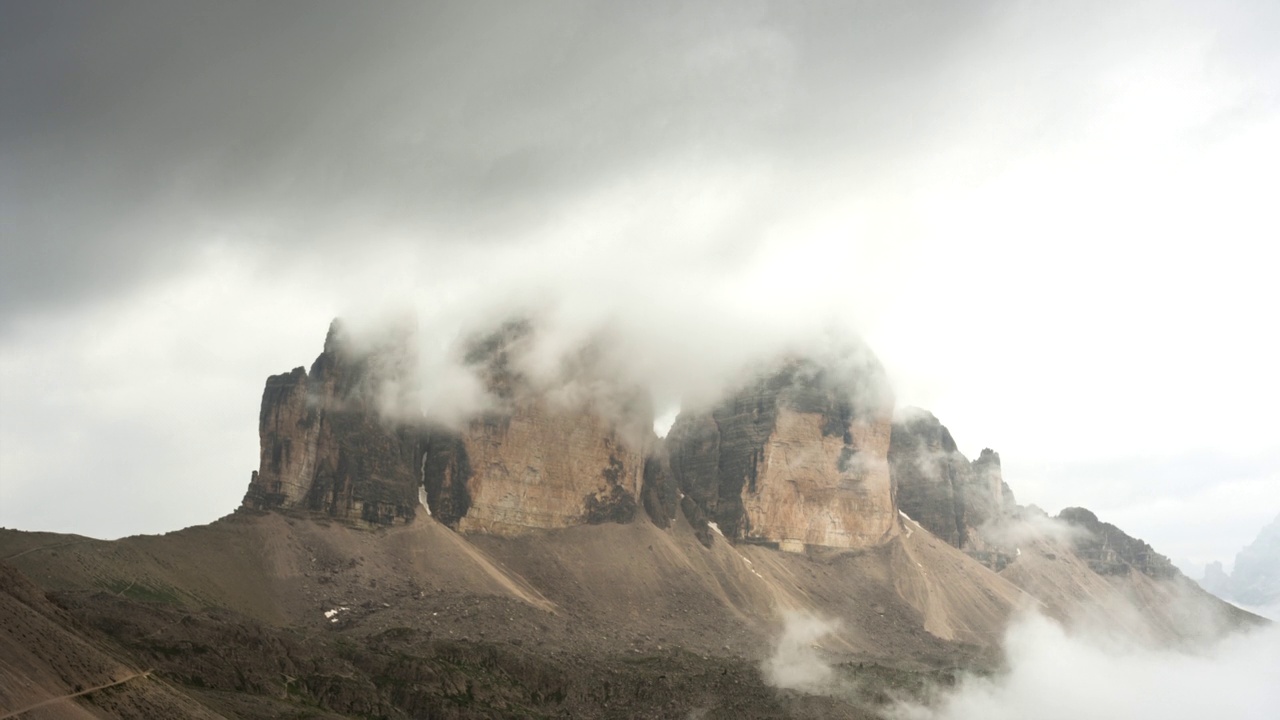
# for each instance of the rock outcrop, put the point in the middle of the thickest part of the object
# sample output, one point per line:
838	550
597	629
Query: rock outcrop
1254	581
540	467
1216	580
325	446
797	457
939	488
540	457
1255	578
1108	550
659	494
555	452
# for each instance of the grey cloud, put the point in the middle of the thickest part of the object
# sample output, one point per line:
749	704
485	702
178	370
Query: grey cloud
135	133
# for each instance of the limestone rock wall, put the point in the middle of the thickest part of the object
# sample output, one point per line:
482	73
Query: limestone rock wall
1255	578
557	451
929	475
1108	550
541	467
986	496
797	457
323	445
532	461
938	487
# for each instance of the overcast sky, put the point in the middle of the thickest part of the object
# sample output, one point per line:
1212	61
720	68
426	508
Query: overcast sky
1054	222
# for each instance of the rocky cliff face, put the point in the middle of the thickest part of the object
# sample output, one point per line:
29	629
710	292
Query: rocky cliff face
1216	580
1108	550
969	505
539	458
797	457
555	452
803	454
324	445
939	488
1255	579
542	467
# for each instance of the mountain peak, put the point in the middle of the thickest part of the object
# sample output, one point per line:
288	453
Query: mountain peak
1110	551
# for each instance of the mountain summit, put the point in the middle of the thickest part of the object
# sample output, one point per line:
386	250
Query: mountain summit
793	549
1254	581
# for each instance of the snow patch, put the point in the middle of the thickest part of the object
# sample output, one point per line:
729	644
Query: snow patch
750	566
736	551
332	615
422	500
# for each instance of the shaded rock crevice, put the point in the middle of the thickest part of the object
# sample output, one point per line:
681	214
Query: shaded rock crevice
659	494
446	468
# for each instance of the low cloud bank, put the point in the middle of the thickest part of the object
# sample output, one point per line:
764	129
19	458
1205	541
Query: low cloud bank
1053	674
1031	525
621	352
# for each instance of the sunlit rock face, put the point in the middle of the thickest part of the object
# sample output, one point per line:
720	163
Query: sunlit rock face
554	452
797	457
541	455
325	446
539	467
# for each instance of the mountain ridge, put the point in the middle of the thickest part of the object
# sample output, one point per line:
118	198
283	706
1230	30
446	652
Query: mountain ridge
383	564
1254	580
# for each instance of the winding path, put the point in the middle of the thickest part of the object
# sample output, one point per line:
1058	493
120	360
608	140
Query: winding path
42	547
60	698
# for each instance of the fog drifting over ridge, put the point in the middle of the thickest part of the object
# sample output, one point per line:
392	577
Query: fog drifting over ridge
1050	223
1086	667
1055	674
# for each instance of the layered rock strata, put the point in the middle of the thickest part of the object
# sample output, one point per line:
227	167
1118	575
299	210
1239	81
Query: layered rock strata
1108	550
796	458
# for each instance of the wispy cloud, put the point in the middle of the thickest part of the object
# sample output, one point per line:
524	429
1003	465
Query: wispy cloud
1054	674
